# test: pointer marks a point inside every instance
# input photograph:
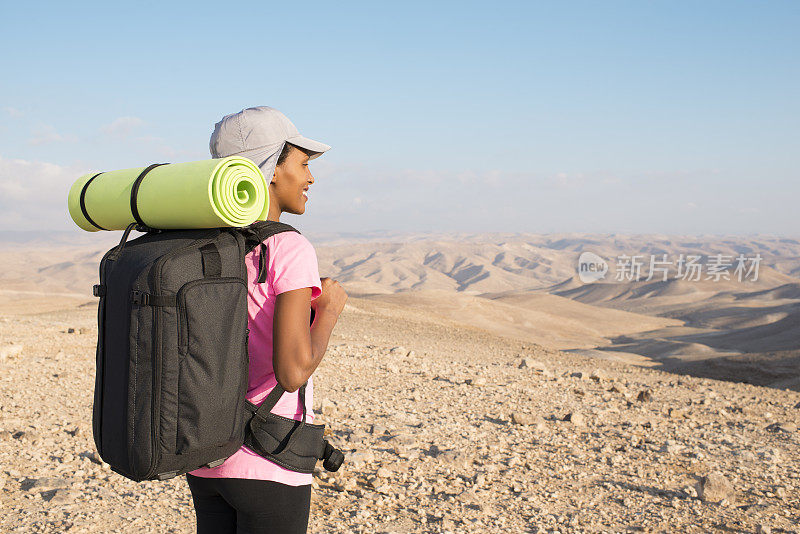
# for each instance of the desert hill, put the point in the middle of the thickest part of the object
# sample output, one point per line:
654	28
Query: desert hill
524	286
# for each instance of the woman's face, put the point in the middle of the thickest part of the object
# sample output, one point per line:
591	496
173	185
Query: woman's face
290	182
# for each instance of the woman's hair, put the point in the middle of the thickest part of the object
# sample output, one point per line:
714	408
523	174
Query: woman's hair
287	149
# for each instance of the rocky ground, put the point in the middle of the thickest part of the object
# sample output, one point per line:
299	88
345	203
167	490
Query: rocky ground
446	429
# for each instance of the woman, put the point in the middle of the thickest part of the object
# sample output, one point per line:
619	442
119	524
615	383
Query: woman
249	493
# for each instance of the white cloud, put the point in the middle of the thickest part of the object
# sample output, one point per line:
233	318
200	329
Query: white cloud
47	133
33	194
159	145
122	126
564	180
13	112
448	178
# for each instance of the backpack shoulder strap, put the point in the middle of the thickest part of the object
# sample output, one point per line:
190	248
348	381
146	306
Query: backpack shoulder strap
260	231
256	234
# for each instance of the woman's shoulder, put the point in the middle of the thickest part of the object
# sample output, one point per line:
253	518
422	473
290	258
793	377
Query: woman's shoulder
291	247
290	240
293	263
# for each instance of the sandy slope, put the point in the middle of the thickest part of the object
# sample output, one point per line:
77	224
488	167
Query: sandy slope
548	320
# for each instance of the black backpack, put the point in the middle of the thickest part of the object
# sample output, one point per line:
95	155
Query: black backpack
172	358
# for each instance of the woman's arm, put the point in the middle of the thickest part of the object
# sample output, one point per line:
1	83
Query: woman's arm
297	349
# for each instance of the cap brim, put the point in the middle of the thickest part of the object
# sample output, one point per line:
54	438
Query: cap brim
309	144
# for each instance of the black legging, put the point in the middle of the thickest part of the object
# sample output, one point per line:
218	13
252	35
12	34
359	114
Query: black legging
244	506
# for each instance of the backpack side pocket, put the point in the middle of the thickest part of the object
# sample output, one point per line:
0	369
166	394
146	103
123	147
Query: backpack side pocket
212	372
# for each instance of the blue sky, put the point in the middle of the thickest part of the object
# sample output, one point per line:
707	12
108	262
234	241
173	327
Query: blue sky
631	117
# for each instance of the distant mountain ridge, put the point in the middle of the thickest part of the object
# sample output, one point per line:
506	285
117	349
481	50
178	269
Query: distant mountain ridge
522	286
389	262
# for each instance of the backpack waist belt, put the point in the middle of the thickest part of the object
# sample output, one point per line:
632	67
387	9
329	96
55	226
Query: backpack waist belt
295	445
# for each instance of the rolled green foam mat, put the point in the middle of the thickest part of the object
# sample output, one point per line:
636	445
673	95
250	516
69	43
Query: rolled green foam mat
211	193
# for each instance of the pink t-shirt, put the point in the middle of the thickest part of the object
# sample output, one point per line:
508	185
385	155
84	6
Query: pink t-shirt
291	264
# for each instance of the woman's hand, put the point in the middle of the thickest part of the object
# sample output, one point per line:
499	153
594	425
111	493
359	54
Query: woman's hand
332	299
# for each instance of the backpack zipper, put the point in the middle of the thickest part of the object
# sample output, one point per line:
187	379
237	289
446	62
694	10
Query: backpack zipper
101	348
156	394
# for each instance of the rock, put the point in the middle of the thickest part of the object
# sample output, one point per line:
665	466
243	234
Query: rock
30	436
360	458
772	455
575	418
782	427
747	456
377	429
671	447
403	441
383	489
691	491
398	351
106	494
477	381
383	472
450	456
579	375
58	496
617	388
530	363
70	330
407	454
453	457
645	395
45	483
715	488
92	456
8	352
521	418
763	529
345	484
597	375
677	413
327	407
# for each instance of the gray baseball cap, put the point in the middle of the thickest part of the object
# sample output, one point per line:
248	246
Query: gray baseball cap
259	135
